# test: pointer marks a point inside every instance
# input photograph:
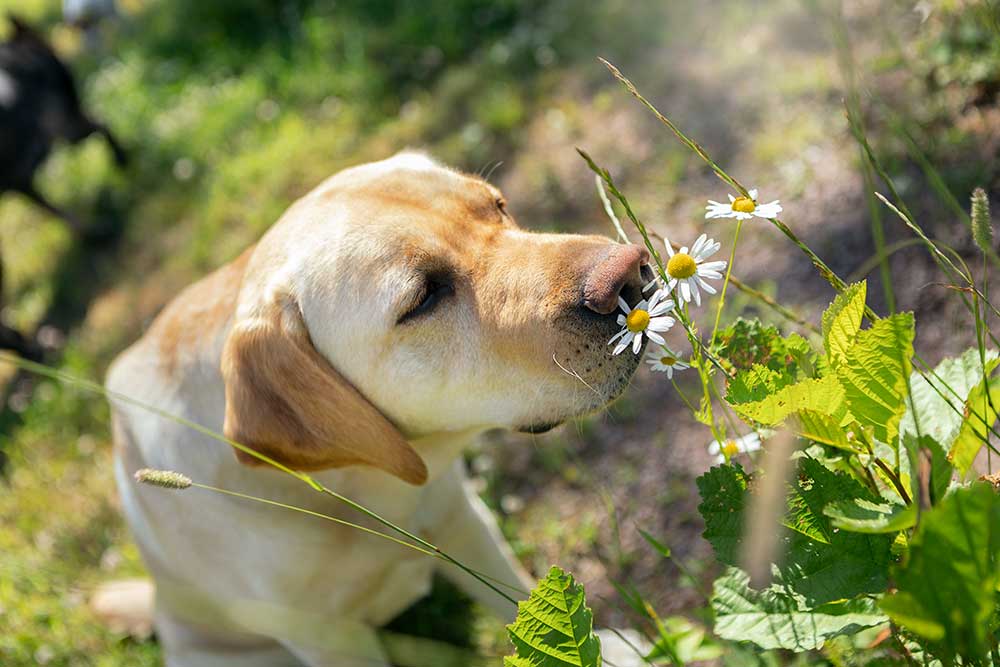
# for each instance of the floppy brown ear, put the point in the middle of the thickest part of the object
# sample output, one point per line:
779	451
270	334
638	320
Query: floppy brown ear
285	400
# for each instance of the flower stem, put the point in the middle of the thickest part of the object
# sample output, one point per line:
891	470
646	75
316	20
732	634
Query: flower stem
725	283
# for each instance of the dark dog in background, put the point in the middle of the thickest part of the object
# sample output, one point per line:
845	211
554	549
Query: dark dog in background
39	107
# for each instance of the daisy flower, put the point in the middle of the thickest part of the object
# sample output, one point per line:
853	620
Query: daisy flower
663	360
649	317
727	449
743	208
688	270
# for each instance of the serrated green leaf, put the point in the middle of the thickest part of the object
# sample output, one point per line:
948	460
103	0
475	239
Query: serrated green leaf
823	395
842	564
820	564
723	494
842	321
755	384
939	399
864	516
774	619
824	429
554	626
874	374
981	409
947	585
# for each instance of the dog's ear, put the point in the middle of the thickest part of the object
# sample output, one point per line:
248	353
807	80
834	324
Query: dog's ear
285	400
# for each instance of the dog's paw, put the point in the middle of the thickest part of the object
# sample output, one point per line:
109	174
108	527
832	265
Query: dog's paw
125	607
623	648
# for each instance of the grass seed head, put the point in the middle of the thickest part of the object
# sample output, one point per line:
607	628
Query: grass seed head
982	226
168	479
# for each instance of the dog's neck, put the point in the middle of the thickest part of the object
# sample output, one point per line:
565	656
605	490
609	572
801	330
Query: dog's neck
441	450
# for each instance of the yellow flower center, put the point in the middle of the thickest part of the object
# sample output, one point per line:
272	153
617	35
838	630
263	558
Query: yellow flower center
637	320
730	449
744	205
681	266
668	361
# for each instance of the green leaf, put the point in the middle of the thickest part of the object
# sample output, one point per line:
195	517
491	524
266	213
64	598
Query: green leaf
981	409
723	493
773	618
823	395
663	549
864	516
554	627
941	469
842	321
824	429
823	564
947	586
874	374
939	405
820	564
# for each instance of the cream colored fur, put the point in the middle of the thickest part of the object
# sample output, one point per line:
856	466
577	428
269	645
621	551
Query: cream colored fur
296	350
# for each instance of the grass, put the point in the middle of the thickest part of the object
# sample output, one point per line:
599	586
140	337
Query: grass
225	133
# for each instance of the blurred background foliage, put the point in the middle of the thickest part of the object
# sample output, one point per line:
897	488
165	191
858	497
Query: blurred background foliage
233	108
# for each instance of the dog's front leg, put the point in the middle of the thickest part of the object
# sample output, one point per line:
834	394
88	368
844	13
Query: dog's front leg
468	532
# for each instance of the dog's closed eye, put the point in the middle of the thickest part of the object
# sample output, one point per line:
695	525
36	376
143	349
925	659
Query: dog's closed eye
435	290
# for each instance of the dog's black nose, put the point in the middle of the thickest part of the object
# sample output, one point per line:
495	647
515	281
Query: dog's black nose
620	266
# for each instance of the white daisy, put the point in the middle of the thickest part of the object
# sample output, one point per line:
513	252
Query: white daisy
743	208
664	360
727	449
649	317
688	270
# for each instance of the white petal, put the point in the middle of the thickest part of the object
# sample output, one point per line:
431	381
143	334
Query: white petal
670	248
694	289
705	286
753	194
624	342
653	300
731	198
622	320
660	324
699	244
624	305
617	336
717	265
662	307
637	343
685	290
655	337
670	372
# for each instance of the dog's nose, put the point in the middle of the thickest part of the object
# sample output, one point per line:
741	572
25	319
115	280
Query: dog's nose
619	267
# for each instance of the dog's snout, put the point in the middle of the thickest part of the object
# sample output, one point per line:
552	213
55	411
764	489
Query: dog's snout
620	266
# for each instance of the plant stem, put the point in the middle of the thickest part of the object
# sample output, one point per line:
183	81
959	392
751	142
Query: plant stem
725	283
53	373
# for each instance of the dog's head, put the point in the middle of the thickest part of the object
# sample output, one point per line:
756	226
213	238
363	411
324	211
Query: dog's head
400	299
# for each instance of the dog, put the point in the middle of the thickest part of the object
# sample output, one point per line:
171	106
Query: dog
39	106
387	318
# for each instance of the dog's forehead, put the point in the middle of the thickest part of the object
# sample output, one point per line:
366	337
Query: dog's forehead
409	178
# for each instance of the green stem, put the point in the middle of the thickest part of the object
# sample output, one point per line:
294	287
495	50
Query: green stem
725	283
45	371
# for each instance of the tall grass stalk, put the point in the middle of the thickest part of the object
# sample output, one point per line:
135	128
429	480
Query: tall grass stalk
66	378
828	274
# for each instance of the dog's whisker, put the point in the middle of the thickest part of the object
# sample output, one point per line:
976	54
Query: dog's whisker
497	165
573	373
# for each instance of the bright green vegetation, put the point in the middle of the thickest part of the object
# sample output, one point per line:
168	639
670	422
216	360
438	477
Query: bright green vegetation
233	109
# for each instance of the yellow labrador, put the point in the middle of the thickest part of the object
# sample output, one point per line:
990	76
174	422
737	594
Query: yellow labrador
391	315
